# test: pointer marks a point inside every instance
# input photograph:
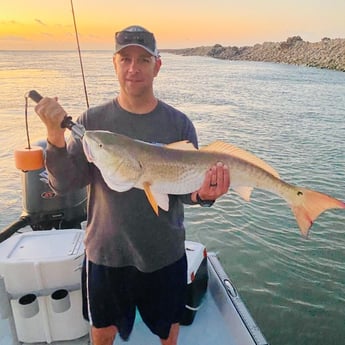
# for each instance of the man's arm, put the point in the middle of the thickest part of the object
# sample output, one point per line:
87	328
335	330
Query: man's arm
66	164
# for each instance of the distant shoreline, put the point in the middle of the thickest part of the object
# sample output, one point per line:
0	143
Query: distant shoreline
328	53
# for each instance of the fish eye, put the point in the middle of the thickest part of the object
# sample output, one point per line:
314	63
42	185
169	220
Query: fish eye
100	145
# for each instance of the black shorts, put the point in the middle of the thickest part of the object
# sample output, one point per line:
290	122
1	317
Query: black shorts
113	295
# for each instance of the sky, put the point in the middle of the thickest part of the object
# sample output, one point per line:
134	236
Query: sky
48	24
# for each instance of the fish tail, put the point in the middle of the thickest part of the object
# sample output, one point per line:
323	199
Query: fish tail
309	205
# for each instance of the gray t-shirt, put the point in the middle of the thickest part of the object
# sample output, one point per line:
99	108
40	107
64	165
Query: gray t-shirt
122	229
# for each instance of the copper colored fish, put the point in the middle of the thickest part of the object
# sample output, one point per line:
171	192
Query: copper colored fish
179	168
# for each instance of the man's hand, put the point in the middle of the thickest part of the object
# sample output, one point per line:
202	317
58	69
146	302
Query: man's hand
51	113
216	183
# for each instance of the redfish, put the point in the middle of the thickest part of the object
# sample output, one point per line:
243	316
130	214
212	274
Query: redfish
179	168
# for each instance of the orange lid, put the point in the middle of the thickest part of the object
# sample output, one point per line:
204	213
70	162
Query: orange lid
29	158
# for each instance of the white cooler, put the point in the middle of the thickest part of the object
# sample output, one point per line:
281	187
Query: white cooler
41	272
197	280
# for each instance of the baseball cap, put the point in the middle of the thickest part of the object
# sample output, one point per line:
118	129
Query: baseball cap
136	36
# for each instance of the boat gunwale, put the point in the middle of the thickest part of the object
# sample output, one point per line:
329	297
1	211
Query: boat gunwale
227	288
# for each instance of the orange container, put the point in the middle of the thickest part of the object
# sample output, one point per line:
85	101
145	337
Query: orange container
29	158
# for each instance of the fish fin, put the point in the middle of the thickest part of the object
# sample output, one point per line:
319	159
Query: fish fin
309	205
243	191
150	197
162	200
181	145
221	147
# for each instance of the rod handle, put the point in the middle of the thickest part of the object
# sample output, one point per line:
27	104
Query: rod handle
34	95
66	122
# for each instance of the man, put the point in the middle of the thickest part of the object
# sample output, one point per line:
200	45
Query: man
134	258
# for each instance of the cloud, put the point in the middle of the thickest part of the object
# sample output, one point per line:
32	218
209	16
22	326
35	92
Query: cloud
40	22
7	22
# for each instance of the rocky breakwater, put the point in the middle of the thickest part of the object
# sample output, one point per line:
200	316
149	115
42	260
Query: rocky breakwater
328	53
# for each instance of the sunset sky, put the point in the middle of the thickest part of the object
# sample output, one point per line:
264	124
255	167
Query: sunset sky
42	24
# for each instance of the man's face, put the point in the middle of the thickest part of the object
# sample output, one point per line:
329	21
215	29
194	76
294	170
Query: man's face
136	69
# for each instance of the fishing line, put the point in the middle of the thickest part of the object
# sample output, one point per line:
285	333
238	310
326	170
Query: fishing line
80	59
26	122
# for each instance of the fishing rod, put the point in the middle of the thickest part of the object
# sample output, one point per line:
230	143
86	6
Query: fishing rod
77	129
79	53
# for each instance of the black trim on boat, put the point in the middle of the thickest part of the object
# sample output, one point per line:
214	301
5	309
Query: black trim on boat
6	233
236	301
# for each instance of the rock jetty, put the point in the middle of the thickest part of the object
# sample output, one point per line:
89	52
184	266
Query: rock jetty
328	53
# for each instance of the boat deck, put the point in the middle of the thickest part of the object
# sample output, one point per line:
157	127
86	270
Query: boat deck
222	319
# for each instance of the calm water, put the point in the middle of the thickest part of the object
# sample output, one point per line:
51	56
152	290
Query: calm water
293	117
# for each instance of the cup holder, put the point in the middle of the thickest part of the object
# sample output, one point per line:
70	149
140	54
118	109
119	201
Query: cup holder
60	301
28	305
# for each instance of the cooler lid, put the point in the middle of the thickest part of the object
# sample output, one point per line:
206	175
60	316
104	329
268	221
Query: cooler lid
42	245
